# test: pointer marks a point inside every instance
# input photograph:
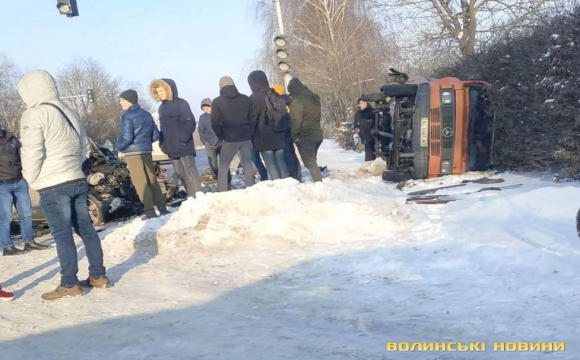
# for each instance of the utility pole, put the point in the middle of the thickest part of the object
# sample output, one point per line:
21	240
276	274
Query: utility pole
280	20
287	77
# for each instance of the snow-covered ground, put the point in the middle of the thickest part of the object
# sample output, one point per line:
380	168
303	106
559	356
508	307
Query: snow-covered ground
326	271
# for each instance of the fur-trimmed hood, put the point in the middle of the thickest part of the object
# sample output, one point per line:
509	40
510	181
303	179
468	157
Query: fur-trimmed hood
170	89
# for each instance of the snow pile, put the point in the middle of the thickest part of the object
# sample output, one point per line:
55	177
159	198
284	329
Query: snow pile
325	271
374	168
274	214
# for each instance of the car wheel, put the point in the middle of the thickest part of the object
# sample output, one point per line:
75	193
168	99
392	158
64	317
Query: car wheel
97	210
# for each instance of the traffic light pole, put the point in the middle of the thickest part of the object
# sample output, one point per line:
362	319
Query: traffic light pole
279	13
287	77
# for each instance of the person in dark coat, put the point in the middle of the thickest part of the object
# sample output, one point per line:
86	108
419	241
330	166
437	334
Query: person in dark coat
138	133
177	126
364	121
14	193
268	142
213	145
306	113
230	119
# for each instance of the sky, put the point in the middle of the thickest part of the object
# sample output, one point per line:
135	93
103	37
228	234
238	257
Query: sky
193	42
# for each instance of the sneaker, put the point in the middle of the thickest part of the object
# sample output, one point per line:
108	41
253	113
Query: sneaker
62	291
163	211
13	250
149	214
102	282
35	246
5	295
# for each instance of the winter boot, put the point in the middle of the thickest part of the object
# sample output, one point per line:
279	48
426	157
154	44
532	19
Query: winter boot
13	250
33	245
149	214
62	291
163	211
102	282
5	295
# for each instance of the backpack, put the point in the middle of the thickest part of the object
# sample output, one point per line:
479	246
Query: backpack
277	117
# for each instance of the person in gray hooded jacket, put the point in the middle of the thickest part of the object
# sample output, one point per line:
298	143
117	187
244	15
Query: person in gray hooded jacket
54	147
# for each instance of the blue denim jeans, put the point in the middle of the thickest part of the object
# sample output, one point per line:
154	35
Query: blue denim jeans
64	207
257	160
275	164
15	195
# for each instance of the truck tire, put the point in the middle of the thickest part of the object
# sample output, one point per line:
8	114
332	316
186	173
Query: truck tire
98	210
400	90
396	175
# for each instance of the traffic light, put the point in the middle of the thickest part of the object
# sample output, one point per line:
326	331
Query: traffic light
67	7
90	96
282	53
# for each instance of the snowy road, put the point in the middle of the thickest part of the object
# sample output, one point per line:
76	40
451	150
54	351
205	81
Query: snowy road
332	271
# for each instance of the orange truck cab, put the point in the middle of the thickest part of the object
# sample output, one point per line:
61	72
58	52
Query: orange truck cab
432	127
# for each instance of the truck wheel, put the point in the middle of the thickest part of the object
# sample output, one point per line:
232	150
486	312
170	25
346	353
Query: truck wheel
396	175
401	90
97	210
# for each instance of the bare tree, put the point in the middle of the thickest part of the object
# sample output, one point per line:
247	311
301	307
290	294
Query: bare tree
11	106
102	117
335	46
457	28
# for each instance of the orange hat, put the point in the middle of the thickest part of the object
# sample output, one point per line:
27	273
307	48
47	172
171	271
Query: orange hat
279	89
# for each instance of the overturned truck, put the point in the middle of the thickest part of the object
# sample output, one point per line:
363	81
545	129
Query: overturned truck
432	127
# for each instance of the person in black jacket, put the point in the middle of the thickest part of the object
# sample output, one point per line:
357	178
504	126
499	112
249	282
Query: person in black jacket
138	132
268	142
230	119
14	192
364	121
177	126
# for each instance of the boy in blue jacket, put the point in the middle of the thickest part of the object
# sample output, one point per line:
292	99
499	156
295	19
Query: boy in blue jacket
138	133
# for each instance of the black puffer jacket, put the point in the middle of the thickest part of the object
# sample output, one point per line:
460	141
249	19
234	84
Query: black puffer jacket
265	139
177	123
230	116
364	120
10	164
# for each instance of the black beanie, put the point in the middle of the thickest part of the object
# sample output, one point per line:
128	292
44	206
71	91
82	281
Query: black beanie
130	95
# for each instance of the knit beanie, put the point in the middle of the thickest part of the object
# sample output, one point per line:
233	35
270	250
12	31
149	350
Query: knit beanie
226	81
205	102
130	95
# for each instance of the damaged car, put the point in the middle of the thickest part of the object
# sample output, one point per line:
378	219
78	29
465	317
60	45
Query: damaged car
112	196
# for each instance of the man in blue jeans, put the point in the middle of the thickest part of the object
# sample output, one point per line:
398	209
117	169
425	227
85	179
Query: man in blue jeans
54	147
14	191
